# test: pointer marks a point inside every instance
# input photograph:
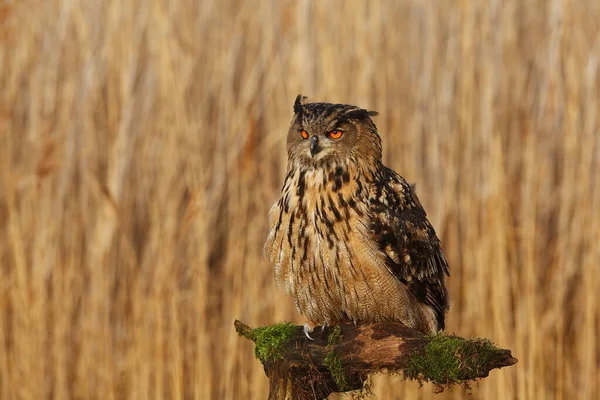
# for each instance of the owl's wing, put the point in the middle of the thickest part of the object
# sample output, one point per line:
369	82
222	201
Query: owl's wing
412	249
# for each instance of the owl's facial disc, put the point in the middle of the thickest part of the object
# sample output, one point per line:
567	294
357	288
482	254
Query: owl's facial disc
322	133
320	147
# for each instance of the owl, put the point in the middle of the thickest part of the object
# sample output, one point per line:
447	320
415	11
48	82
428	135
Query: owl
348	237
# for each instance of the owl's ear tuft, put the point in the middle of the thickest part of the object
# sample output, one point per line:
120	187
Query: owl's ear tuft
361	114
300	100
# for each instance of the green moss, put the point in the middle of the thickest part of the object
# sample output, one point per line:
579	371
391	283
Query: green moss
333	362
334	337
271	339
449	359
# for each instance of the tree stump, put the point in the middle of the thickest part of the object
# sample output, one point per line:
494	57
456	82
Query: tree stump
341	358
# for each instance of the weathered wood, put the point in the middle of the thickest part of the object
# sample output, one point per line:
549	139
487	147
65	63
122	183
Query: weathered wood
341	358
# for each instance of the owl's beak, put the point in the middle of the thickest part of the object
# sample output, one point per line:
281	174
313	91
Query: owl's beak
314	146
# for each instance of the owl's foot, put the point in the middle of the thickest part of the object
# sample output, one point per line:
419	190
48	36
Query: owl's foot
309	328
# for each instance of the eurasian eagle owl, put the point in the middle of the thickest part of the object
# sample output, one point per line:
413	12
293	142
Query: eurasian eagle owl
348	237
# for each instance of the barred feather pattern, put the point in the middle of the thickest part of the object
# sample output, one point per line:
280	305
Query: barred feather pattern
335	249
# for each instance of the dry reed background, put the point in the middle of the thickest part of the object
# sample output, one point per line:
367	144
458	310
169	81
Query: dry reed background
142	144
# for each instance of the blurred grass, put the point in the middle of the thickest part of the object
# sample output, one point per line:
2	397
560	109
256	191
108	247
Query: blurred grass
142	144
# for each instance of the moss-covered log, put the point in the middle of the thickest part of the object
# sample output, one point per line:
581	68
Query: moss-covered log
341	358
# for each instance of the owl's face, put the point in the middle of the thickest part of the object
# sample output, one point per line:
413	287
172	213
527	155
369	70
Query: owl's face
324	132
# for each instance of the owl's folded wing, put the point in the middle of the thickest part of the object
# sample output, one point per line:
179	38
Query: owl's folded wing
412	249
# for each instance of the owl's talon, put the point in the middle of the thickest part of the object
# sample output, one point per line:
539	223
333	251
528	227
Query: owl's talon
308	329
323	335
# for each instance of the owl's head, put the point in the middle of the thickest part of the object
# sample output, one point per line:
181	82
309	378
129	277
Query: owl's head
323	132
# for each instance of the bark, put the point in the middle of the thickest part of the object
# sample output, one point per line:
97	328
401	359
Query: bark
341	358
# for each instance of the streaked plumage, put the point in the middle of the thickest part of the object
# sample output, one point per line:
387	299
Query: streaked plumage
348	237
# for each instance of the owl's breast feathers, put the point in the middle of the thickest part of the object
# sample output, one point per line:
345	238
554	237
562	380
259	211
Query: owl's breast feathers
346	240
310	226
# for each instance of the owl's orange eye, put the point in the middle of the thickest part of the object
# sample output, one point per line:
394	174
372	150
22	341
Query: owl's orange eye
304	134
335	134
